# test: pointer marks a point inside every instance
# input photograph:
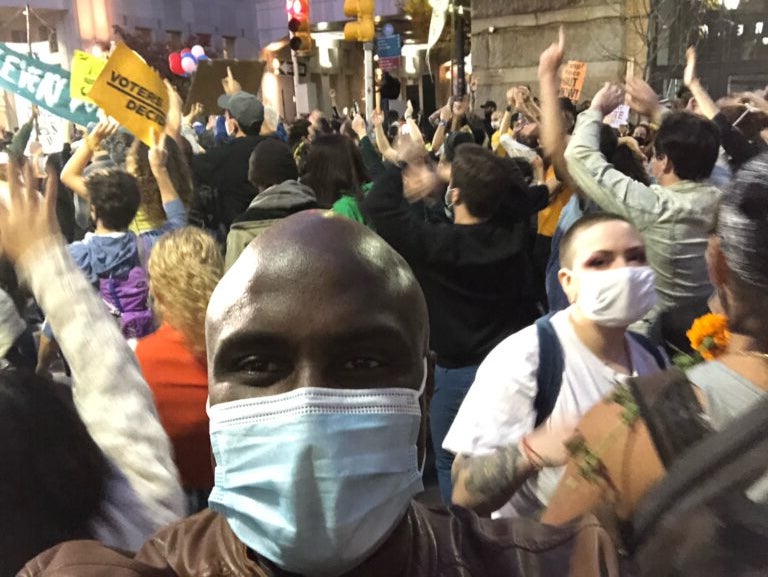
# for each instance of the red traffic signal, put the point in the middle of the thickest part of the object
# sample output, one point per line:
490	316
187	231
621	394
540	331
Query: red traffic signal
298	25
298	9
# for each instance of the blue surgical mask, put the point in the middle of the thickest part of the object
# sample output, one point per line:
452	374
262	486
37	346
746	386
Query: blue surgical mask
316	479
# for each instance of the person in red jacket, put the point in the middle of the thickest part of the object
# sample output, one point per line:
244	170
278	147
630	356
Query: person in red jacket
184	268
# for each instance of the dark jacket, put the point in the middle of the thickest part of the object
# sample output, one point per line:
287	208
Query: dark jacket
276	202
225	169
426	543
476	278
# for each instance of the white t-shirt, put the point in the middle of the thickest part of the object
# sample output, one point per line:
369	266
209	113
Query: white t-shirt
498	409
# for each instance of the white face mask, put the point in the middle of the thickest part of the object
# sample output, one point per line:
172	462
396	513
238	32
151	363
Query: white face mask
495	124
617	297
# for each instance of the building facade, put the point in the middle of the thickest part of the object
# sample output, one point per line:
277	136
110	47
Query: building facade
509	35
243	29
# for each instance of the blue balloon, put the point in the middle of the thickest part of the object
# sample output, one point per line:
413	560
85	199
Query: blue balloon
202	57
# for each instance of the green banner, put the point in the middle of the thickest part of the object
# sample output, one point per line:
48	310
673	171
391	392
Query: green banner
42	84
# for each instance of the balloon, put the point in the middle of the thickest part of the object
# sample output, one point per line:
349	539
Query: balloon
174	63
185	51
197	51
202	57
189	63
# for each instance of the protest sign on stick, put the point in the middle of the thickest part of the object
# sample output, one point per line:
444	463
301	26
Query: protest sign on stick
84	71
573	77
132	93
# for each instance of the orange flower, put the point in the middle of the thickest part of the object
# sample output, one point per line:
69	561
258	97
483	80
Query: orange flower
709	335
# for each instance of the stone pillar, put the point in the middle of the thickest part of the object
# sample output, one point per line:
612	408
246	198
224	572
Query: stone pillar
509	35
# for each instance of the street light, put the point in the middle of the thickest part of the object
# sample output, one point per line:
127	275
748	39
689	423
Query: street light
730	4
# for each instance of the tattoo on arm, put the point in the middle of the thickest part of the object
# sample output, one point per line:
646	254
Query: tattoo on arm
490	480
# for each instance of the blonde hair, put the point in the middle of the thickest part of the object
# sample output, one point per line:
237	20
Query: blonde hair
184	268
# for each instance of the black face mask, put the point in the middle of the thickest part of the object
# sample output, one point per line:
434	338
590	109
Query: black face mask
640	140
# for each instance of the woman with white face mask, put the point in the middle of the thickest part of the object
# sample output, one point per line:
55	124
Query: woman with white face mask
553	372
726	387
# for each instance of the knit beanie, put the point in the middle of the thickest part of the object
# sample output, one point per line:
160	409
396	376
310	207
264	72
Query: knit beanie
271	163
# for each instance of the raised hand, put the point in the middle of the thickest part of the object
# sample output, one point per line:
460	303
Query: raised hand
230	85
358	125
642	98
608	98
157	155
446	113
377	118
26	218
104	129
551	59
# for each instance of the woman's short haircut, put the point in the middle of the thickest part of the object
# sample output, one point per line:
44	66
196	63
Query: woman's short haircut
568	242
184	268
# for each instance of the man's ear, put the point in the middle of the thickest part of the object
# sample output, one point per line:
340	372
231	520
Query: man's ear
455	196
666	165
565	277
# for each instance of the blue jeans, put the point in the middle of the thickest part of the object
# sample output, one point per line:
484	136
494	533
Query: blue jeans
451	386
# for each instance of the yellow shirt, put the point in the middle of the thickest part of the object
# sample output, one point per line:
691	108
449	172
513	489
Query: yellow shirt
548	217
142	223
496	143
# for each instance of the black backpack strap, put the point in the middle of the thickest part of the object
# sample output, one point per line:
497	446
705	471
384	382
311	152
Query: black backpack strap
652	349
549	376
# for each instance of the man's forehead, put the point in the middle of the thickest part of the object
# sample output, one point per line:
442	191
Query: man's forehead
309	273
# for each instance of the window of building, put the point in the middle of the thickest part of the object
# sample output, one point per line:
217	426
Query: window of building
229	46
144	34
174	38
203	38
18	36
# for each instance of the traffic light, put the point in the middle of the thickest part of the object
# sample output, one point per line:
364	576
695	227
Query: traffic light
364	29
298	25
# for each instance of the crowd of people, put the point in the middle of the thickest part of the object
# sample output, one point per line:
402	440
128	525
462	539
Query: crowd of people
238	351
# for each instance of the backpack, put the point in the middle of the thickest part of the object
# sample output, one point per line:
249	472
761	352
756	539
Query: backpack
698	519
127	297
549	376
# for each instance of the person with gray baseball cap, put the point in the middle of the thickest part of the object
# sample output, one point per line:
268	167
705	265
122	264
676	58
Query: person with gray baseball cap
225	168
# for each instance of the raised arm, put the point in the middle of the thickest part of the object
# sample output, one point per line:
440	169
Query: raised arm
385	148
446	114
552	129
173	118
72	174
738	147
105	373
612	190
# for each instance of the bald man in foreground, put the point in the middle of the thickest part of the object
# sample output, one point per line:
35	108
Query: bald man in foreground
319	371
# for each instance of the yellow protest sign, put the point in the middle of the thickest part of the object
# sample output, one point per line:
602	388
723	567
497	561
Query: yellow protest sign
85	69
132	93
573	77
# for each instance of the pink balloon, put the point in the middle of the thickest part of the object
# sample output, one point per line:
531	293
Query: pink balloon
185	51
188	63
